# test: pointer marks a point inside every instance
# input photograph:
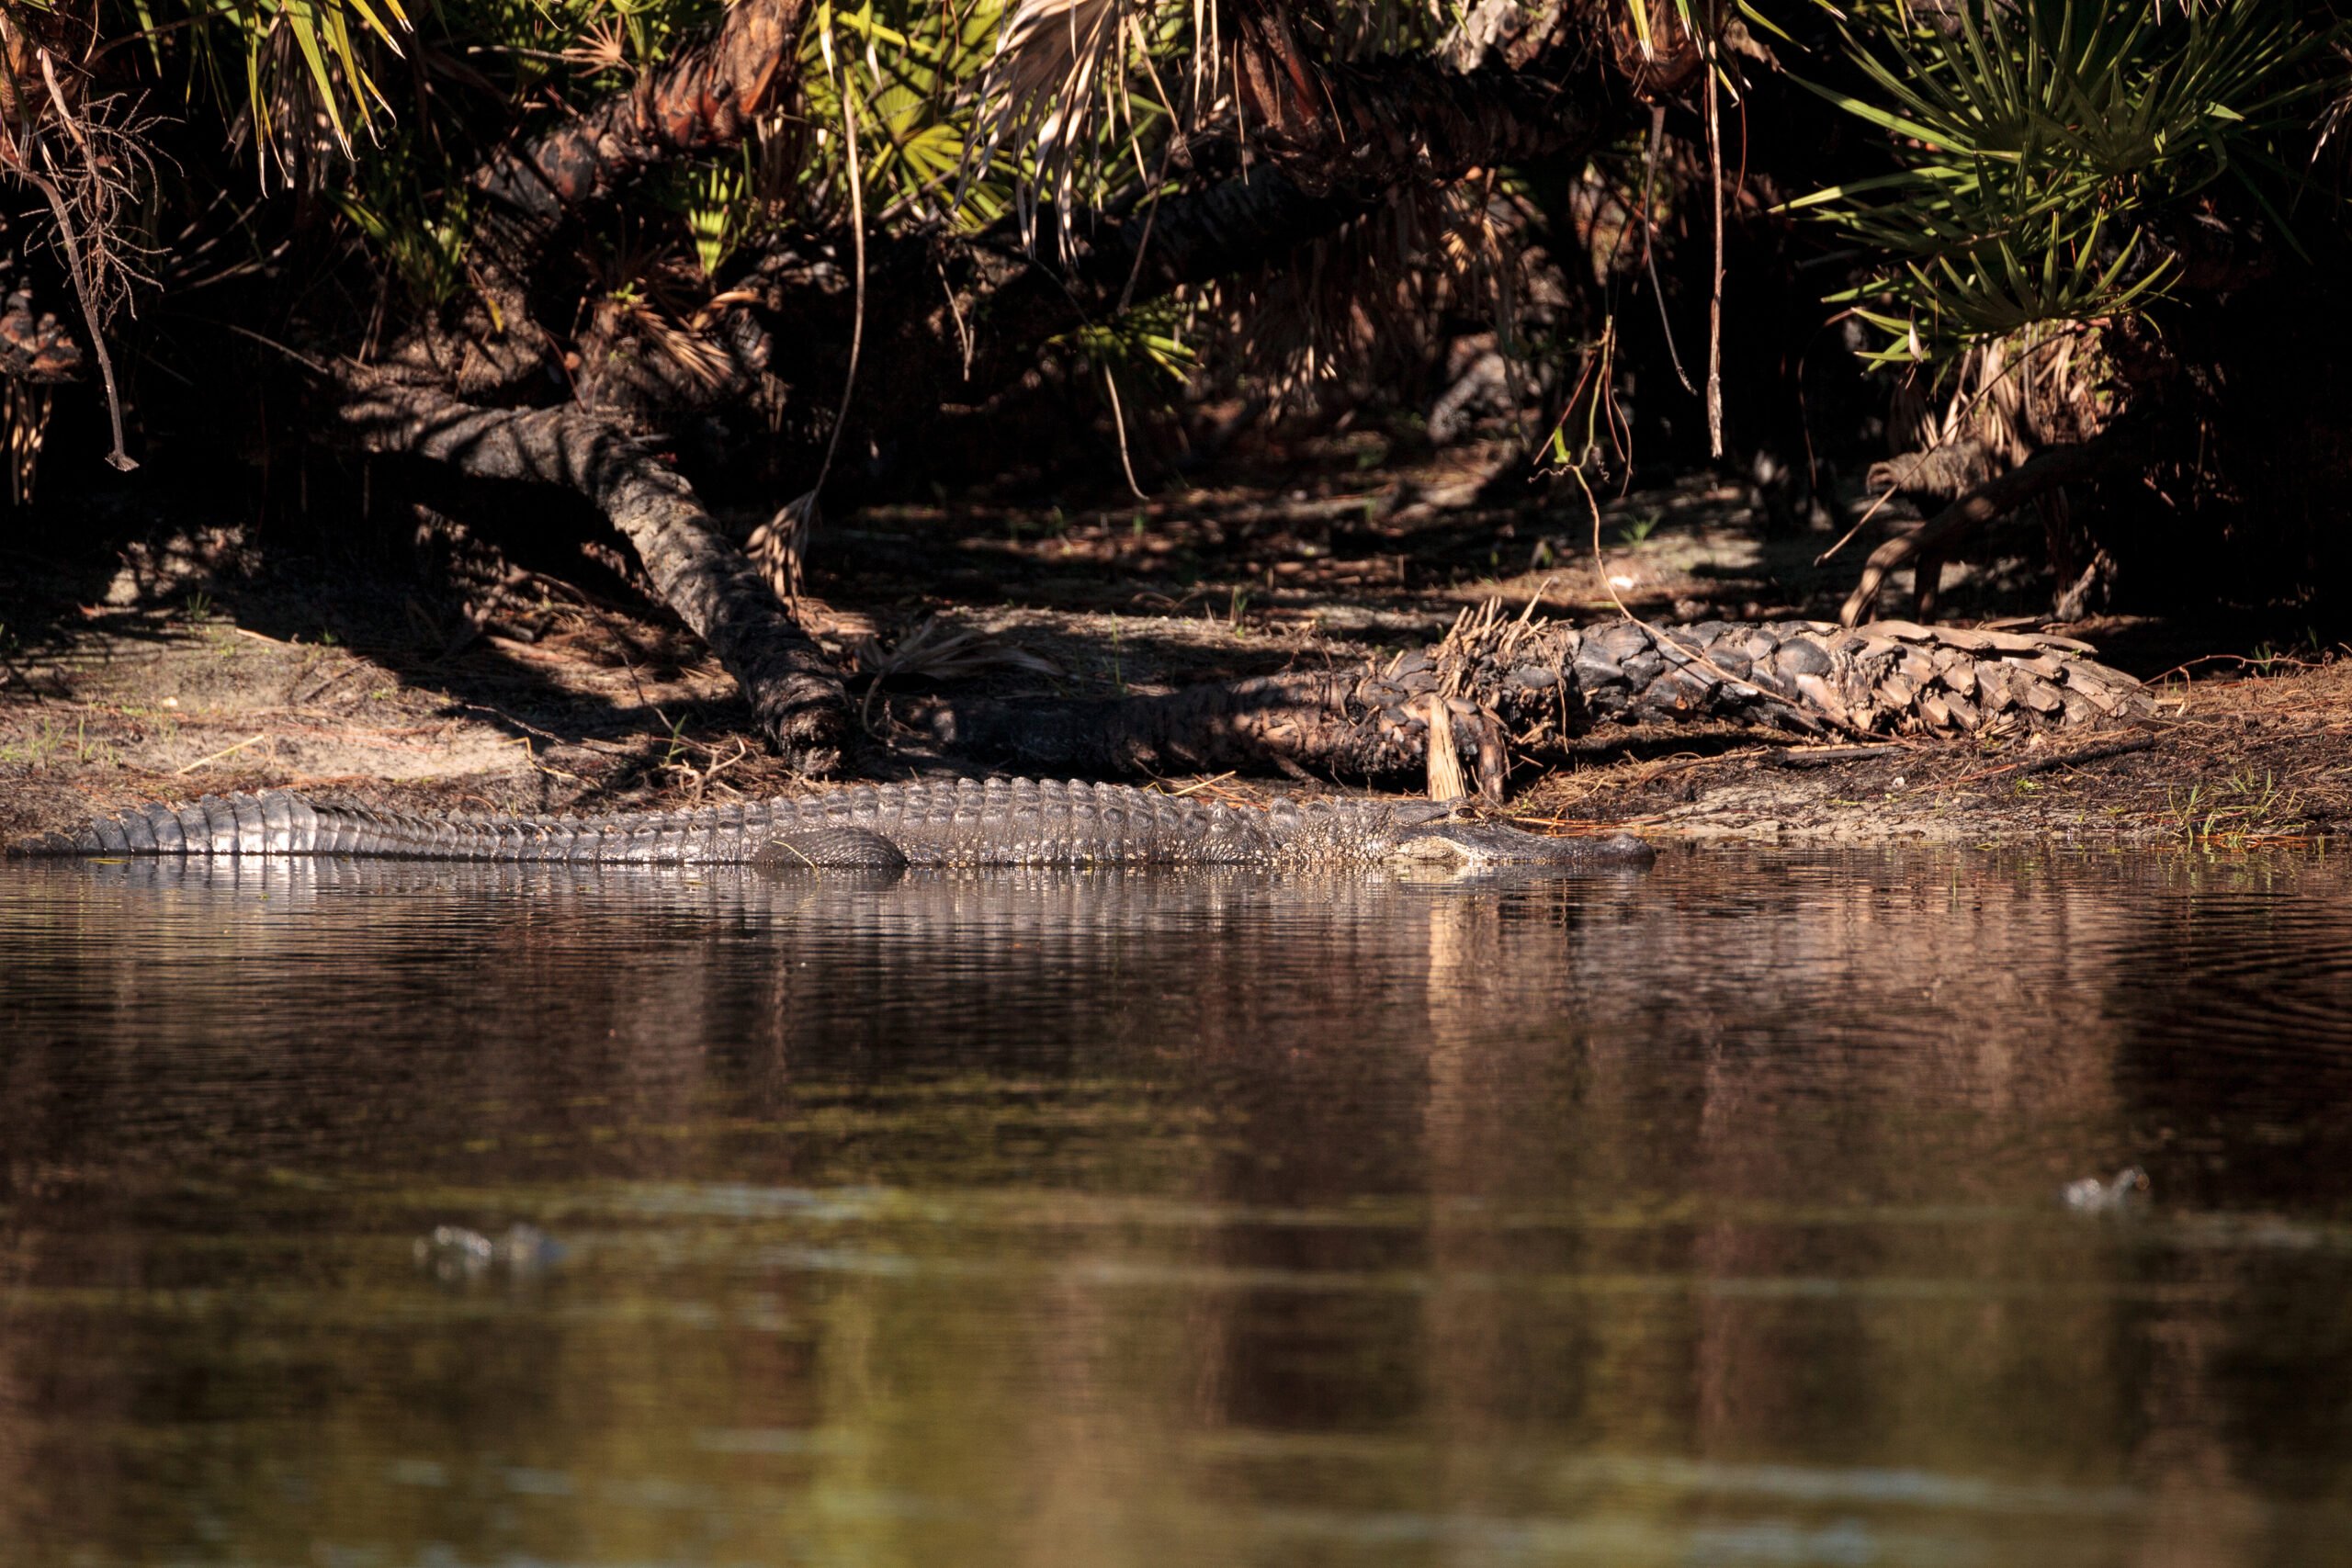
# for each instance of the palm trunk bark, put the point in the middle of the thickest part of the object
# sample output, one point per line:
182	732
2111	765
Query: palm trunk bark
794	693
703	99
1533	686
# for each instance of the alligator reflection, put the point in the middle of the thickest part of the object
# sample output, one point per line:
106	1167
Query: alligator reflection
1708	1215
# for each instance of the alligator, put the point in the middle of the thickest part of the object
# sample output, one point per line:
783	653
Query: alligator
1003	822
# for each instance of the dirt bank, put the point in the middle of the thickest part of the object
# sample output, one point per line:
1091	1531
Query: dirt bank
192	663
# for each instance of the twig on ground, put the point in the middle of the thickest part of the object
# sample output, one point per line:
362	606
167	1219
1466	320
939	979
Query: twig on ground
1212	787
697	780
218	755
1829	756
2089	754
504	717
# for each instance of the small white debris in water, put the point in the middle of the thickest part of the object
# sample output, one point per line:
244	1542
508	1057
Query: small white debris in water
454	1252
2091	1196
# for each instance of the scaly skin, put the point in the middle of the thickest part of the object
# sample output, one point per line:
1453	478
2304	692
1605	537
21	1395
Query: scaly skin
887	827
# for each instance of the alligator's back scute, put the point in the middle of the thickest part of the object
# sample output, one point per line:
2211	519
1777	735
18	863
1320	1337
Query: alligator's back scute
164	824
1003	822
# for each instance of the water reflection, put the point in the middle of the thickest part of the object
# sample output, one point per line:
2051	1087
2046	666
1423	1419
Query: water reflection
1705	1216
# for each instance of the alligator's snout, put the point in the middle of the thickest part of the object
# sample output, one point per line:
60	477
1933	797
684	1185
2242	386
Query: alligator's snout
1492	843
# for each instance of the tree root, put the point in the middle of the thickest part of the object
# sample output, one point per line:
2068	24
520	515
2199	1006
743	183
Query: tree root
1542	684
795	693
2044	472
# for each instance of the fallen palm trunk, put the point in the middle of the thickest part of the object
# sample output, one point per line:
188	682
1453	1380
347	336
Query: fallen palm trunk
793	690
1503	684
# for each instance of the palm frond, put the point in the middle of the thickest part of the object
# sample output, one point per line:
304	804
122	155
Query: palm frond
1059	81
301	61
2037	138
911	66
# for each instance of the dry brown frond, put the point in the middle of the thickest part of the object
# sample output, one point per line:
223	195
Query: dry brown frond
1655	50
25	410
88	160
1382	302
2009	399
103	185
780	547
603	46
935	649
1051	86
2336	116
704	361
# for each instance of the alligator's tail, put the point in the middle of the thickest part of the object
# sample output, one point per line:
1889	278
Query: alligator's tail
277	822
1017	821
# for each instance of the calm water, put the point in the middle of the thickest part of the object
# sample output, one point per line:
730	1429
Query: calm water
1709	1216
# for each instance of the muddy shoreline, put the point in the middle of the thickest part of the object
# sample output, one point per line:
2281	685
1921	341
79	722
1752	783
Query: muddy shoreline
193	663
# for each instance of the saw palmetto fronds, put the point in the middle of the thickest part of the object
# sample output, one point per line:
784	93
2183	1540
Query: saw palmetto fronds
717	206
1149	338
1996	287
424	240
301	61
910	65
1078	91
2038	138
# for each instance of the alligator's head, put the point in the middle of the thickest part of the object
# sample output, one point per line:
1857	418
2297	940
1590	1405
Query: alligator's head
1466	845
